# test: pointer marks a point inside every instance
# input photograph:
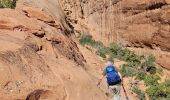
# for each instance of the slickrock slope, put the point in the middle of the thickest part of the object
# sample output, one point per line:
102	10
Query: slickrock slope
134	23
38	58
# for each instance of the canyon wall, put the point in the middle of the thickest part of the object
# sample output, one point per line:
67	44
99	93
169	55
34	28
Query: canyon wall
38	57
142	25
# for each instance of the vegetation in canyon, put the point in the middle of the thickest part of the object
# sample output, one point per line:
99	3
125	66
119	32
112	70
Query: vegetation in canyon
142	68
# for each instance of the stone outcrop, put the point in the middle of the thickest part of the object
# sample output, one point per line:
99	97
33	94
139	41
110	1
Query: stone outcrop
38	57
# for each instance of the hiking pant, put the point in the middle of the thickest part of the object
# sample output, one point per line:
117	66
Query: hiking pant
115	91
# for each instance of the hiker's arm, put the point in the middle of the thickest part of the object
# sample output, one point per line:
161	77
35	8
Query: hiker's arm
101	78
120	76
103	74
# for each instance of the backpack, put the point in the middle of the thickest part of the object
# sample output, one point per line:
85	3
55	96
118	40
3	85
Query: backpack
112	75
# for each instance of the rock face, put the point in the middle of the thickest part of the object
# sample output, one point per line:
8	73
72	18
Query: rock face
38	57
134	23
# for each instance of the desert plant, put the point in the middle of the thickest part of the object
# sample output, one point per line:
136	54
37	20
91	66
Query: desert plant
159	70
160	91
140	94
123	53
141	75
85	39
152	91
150	64
127	71
115	50
151	80
8	3
103	51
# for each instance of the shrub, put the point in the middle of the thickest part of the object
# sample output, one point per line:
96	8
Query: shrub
101	49
122	53
150	64
8	3
98	45
131	57
151	80
115	50
140	94
159	70
153	91
141	75
160	91
166	87
85	39
127	71
102	52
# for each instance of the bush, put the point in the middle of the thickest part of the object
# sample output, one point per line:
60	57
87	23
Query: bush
85	39
127	71
153	91
141	75
8	4
102	52
98	45
140	94
101	49
160	91
121	53
159	70
151	80
150	64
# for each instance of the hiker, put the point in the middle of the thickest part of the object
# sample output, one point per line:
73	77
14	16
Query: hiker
113	79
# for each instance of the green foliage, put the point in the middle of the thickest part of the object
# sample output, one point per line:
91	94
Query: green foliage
130	56
127	71
141	95
85	39
102	52
159	70
101	49
151	80
150	64
153	91
8	3
141	75
121	53
145	71
160	91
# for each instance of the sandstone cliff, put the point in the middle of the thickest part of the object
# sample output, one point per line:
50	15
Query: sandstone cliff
38	57
143	24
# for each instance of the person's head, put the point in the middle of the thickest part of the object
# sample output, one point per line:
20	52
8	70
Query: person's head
110	61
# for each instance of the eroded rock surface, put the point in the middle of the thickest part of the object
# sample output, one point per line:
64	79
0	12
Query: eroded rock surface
38	57
134	23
